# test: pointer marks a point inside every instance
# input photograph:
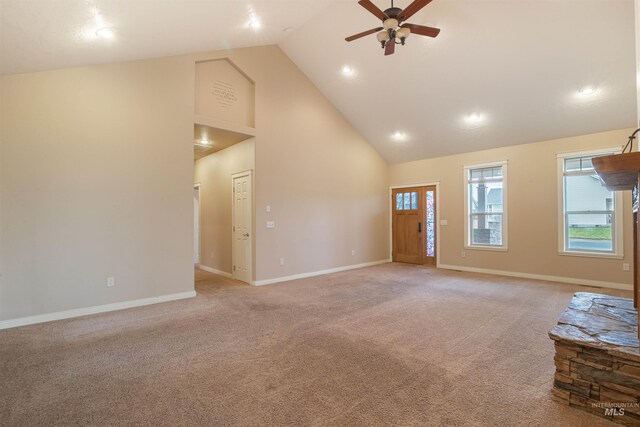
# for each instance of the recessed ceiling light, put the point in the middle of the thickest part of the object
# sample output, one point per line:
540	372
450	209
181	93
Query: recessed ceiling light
106	33
587	91
399	136
254	22
474	118
347	70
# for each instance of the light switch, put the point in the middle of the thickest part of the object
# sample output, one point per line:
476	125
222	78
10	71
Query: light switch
444	222
268	208
271	224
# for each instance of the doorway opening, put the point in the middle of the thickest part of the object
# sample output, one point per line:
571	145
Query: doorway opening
414	224
223	204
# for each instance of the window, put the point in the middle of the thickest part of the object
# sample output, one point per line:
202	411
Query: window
485	206
430	223
590	216
407	201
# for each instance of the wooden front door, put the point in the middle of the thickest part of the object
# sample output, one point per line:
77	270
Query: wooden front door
414	225
407	225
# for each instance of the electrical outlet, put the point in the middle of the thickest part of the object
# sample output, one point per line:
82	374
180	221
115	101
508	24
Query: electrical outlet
625	266
111	282
463	254
353	252
211	255
444	222
281	261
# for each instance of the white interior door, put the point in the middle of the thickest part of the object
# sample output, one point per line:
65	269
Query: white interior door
196	225
242	222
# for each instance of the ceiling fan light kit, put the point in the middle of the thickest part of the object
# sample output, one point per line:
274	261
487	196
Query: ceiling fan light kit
390	24
393	31
403	33
383	36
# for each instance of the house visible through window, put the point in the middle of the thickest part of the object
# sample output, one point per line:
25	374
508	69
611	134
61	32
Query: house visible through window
485	206
589	223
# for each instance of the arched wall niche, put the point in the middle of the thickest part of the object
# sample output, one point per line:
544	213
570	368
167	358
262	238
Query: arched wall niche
224	93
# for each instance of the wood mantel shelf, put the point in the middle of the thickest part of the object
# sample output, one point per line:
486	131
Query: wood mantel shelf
618	172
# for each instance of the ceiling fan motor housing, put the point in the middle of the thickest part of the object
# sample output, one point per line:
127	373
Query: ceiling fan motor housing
393	12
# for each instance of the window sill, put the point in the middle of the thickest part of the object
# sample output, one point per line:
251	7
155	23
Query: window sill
591	254
487	248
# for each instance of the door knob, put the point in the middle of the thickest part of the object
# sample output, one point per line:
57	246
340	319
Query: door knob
246	235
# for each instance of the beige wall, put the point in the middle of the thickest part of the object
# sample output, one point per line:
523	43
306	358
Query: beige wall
224	93
325	184
213	173
96	176
532	199
96	180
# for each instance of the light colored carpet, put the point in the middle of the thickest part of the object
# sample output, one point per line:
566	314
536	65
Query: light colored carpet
387	345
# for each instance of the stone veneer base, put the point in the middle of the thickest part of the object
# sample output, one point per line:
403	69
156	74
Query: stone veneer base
597	358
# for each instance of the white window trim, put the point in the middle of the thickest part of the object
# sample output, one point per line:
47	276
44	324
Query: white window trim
618	252
505	218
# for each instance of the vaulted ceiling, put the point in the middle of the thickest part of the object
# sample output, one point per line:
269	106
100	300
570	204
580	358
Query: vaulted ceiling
49	34
500	73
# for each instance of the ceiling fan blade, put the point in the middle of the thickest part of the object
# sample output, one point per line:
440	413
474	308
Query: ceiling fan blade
410	10
422	30
390	47
362	34
373	9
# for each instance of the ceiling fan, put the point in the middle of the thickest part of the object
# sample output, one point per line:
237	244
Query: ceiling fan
393	31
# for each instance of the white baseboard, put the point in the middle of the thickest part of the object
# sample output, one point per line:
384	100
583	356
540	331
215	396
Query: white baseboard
49	317
214	271
317	273
572	280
